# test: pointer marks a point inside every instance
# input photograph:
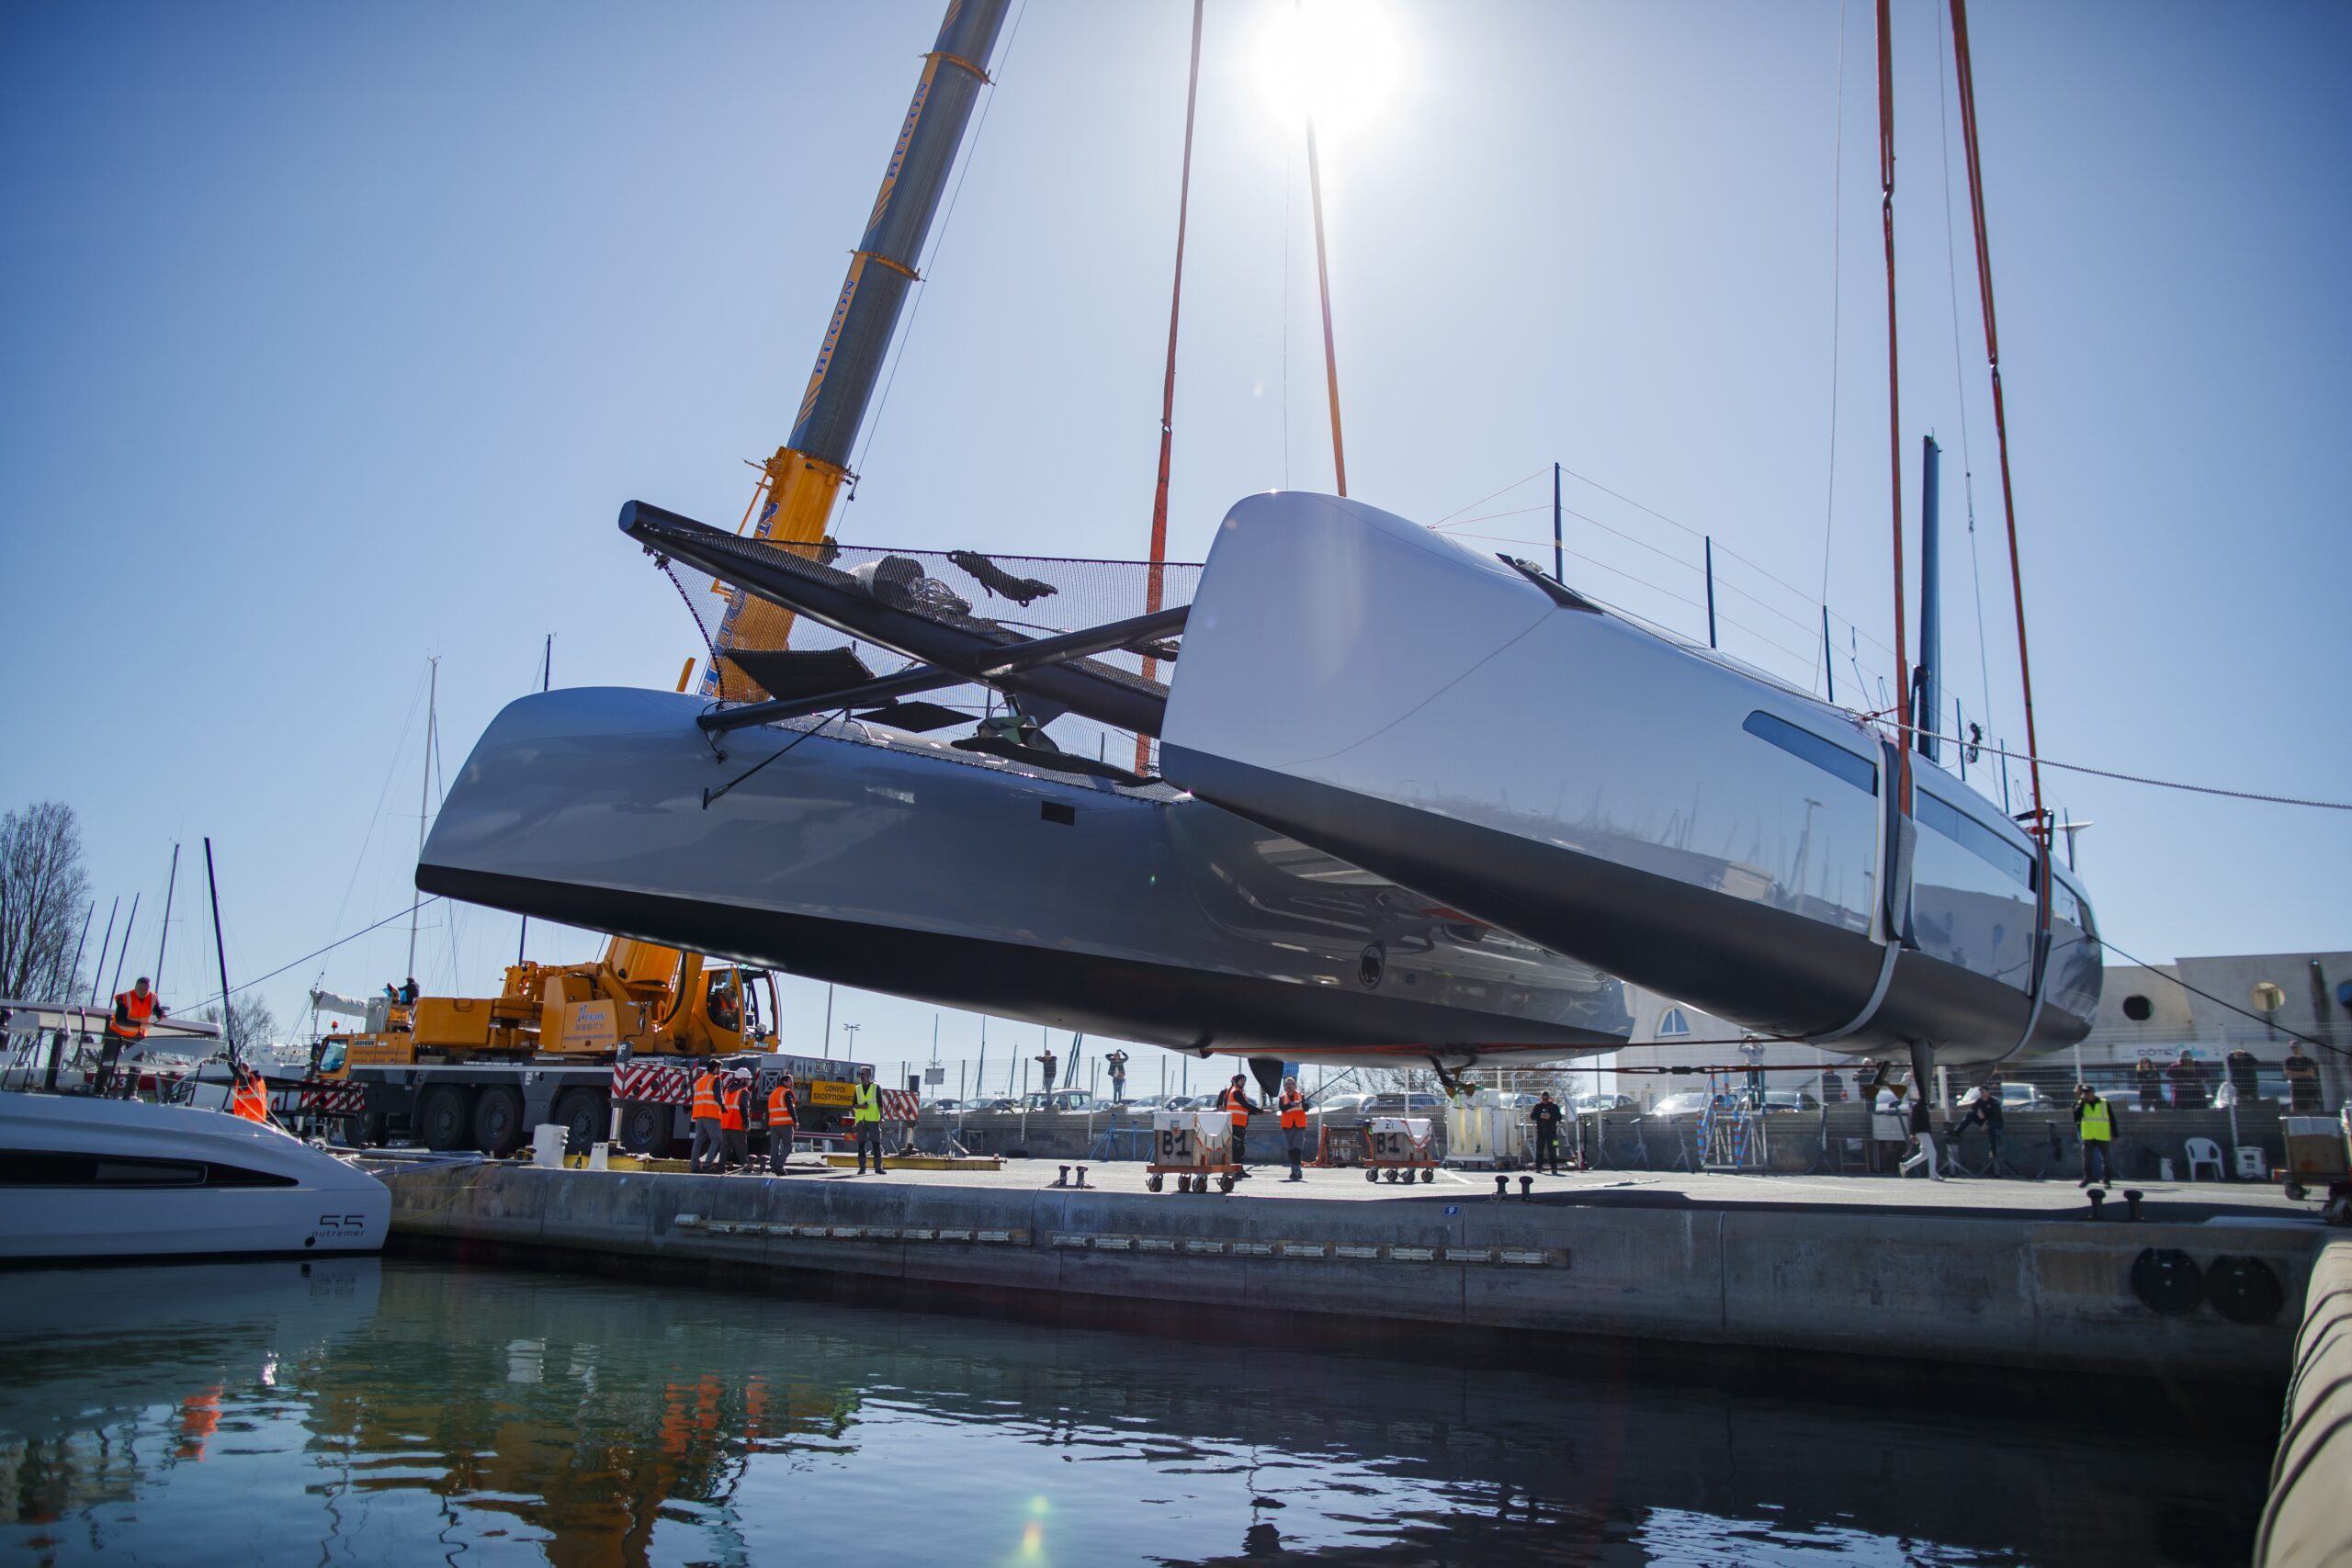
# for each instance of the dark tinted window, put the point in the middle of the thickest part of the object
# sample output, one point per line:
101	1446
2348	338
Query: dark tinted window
1974	837
1826	755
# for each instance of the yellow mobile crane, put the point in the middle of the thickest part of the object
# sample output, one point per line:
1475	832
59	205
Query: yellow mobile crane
563	1043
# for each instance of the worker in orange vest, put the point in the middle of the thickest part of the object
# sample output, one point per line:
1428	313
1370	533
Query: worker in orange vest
250	1098
132	1008
707	1142
1291	1110
1236	1099
783	1110
735	1144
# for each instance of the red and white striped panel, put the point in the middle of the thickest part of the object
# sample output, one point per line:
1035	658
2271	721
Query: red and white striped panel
322	1099
898	1105
653	1082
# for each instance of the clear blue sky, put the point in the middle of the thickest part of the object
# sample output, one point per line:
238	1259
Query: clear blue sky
337	335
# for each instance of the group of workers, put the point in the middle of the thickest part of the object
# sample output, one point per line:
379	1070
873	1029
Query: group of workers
1290	1115
726	1111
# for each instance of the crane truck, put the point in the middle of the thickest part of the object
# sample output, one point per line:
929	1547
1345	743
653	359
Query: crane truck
571	1044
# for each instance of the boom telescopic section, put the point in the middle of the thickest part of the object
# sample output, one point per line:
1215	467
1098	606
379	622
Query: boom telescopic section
805	474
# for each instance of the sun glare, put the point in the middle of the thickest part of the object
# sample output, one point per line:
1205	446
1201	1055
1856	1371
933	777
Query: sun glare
1336	60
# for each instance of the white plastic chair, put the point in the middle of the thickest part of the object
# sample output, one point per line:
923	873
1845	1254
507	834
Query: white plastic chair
2204	1152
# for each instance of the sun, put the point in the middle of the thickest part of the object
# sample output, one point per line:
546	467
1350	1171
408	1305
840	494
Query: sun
1336	60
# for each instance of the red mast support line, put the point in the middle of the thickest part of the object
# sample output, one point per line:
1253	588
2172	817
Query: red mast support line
1157	585
2000	419
1894	399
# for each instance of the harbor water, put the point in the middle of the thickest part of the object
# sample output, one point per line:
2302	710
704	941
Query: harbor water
352	1411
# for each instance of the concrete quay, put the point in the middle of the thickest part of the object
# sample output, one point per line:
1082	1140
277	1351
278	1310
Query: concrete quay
2206	1288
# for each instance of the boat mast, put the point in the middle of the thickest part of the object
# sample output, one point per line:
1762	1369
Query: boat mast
423	799
228	1012
164	941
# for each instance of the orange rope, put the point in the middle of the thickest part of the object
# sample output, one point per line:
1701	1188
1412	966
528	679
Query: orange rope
1168	391
1893	385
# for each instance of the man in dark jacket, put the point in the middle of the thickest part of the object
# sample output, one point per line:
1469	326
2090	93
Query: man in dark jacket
1545	1119
2149	1079
1989	1111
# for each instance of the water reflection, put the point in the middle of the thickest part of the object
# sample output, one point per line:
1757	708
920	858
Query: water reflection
348	1411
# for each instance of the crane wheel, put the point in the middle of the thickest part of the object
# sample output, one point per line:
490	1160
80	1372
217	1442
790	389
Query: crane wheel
584	1113
445	1118
498	1120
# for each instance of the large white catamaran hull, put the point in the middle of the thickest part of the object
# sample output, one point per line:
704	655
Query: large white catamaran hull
1471	729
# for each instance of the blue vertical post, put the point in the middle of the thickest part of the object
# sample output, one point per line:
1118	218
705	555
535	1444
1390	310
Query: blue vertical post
1828	660
1929	709
1710	590
1559	563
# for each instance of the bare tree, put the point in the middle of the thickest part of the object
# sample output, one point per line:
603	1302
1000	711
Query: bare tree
250	1020
43	895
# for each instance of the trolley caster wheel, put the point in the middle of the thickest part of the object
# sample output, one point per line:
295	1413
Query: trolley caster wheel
1224	1184
1427	1176
1152	1183
1372	1175
1186	1184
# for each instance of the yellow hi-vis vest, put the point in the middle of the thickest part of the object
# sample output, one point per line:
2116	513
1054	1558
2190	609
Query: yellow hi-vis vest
865	1103
2098	1126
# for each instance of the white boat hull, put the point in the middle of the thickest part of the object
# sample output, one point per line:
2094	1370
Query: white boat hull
87	1178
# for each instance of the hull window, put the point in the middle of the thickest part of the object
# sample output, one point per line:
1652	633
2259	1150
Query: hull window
1975	838
1826	755
41	1168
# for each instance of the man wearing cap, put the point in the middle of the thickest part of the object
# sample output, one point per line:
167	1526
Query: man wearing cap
132	1010
866	1118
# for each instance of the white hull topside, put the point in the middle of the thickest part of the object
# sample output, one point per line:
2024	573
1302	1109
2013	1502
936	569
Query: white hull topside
88	1178
1434	715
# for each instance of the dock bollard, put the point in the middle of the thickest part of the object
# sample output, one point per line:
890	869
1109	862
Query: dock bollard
1526	1188
1063	1179
1502	1187
2097	1196
1081	1176
2131	1196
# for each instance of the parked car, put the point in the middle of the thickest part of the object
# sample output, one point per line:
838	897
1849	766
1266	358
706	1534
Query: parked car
1401	1104
1341	1104
2022	1097
945	1105
1685	1102
1584	1103
1790	1100
1186	1102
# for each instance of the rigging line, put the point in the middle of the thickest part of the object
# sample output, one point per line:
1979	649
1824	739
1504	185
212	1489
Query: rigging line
1836	265
1894	390
710	795
388	920
946	219
1490	516
2199	991
1482	500
1959	388
1802	597
1966	76
1155	586
2158	783
416	695
1289	175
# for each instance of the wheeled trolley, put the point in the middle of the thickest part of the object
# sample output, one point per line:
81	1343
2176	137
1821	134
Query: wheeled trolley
2318	1151
1193	1146
1395	1148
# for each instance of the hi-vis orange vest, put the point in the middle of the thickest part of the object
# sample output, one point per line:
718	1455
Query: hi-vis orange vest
707	1097
1233	1097
137	1009
1294	1110
730	1110
779	1106
250	1099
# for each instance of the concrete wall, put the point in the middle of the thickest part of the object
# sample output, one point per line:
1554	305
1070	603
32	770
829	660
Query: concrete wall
2308	1522
1998	1292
